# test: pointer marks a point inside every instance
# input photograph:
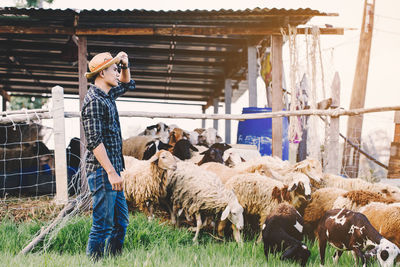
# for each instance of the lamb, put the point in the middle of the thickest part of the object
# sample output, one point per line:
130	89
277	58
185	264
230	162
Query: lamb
330	180
146	181
283	231
385	218
259	195
200	192
348	230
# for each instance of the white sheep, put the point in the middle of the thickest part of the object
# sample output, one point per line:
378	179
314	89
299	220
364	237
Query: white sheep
198	192
259	195
145	181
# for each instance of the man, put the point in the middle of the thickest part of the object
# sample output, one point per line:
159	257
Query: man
104	160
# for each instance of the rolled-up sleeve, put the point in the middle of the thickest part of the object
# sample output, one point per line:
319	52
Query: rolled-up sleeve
92	118
122	88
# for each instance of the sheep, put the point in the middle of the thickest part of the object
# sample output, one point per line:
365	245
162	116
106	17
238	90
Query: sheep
259	195
153	147
182	149
159	131
200	192
174	136
146	181
348	230
330	180
321	201
232	158
283	231
142	147
356	199
193	137
208	136
385	218
135	146
223	172
211	155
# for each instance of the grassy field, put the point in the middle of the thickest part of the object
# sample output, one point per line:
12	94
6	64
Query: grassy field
146	244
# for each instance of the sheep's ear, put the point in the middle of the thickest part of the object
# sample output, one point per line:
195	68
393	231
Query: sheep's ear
293	187
192	147
225	213
154	158
204	152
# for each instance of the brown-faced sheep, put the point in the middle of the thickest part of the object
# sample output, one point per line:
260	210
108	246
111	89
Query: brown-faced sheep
385	218
330	180
259	195
174	136
200	192
283	231
146	181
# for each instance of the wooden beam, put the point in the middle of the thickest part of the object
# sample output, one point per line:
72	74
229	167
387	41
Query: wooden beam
351	156
333	148
228	109
277	105
252	75
83	87
215	104
182	31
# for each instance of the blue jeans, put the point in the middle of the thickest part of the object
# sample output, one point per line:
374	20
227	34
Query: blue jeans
110	216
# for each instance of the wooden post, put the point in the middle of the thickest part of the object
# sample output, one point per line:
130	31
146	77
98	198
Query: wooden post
215	103
252	75
4	108
277	105
203	121
333	164
228	109
351	156
59	145
394	160
83	85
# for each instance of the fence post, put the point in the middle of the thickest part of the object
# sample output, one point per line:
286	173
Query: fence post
59	145
333	163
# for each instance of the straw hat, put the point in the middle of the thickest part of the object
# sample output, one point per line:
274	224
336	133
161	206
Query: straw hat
100	62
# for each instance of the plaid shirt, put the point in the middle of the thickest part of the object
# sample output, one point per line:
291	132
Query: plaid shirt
101	124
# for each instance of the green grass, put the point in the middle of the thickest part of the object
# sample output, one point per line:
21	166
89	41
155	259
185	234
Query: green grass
146	244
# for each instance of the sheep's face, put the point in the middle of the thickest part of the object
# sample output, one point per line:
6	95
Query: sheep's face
387	253
231	158
310	167
165	160
234	213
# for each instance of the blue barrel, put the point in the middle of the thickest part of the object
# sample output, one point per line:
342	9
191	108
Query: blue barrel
259	132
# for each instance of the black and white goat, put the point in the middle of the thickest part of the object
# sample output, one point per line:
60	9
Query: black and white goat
153	147
348	230
283	231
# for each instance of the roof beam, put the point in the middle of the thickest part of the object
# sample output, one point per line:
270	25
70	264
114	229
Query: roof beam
248	31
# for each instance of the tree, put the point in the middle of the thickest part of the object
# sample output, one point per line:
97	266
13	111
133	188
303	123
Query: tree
20	102
32	3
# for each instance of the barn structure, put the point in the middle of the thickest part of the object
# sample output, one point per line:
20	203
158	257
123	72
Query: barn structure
192	55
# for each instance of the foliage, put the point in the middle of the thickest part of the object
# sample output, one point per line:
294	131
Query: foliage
20	102
31	3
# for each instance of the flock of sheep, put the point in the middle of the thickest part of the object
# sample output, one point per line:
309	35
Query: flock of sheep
196	178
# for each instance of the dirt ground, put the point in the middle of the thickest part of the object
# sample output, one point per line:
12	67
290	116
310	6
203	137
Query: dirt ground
29	208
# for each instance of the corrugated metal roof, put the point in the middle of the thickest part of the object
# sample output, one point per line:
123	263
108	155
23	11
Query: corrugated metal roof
198	63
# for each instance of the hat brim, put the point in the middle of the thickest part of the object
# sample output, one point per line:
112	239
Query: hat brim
105	66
